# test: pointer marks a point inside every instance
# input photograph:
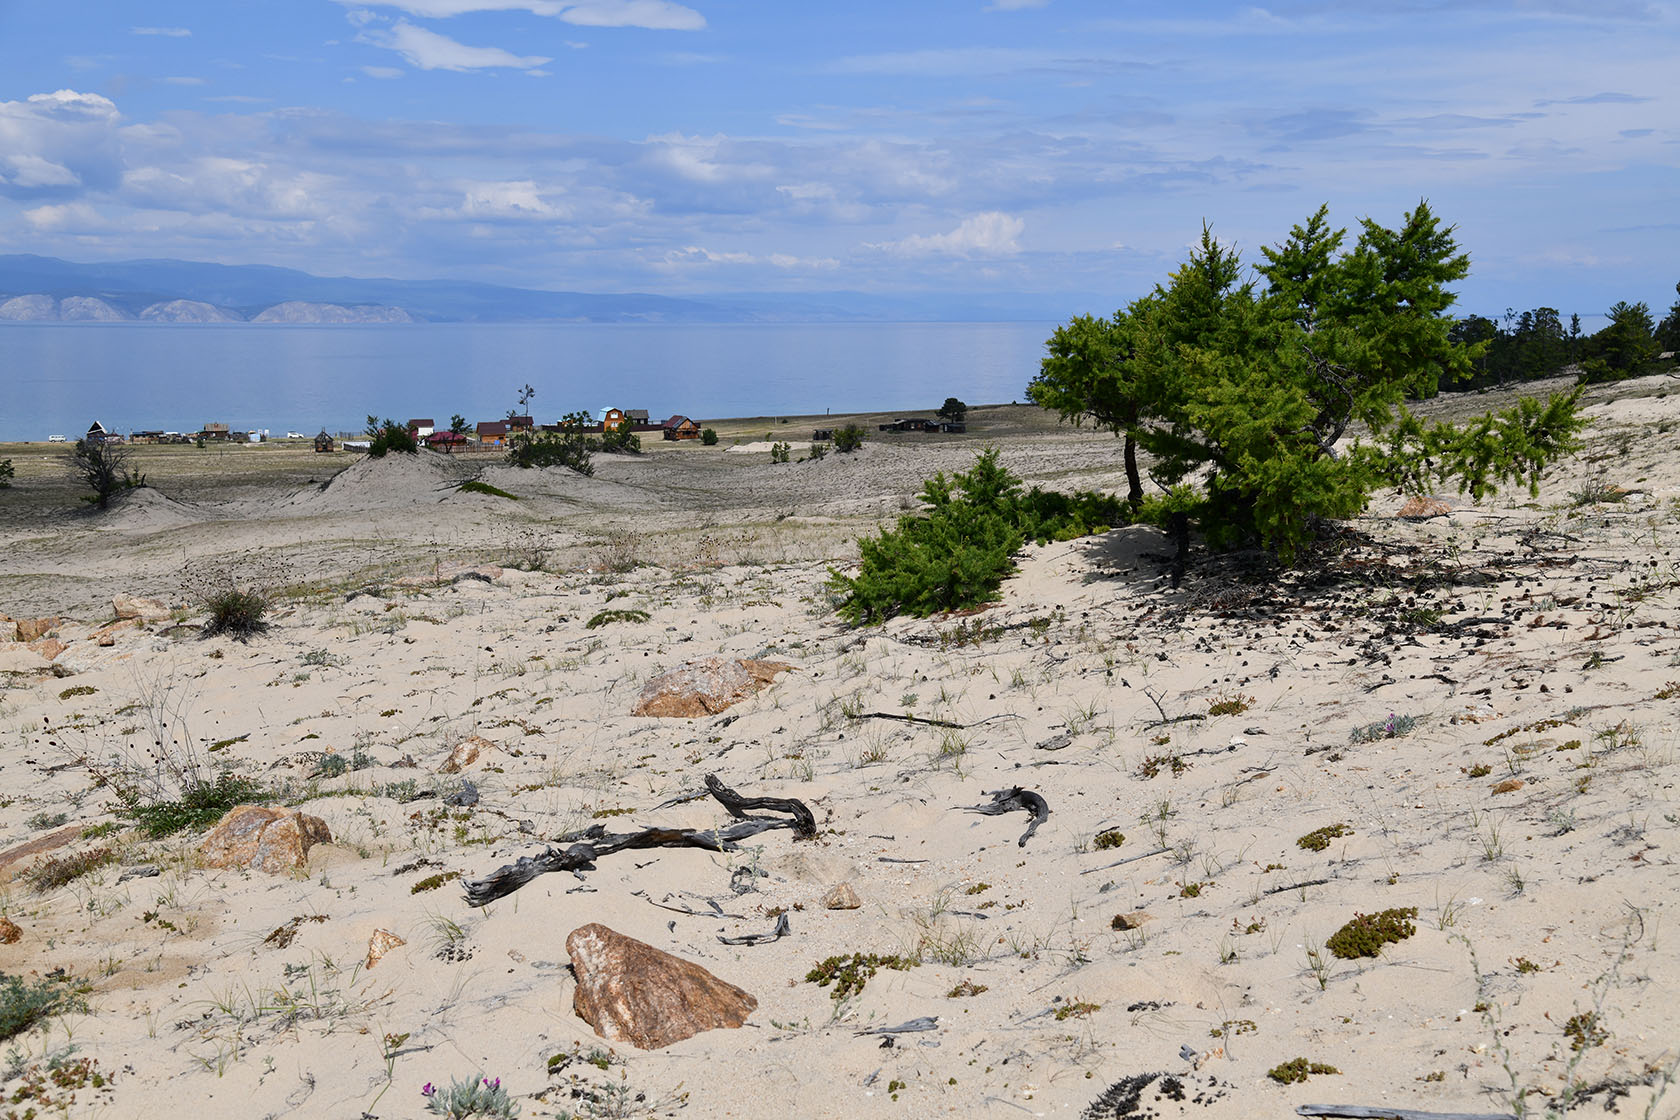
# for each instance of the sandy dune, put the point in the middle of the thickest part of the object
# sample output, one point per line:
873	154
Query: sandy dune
1487	702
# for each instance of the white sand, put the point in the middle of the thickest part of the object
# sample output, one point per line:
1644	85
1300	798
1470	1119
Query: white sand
1062	692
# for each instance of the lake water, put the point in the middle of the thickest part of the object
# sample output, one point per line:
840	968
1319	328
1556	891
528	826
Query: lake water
60	377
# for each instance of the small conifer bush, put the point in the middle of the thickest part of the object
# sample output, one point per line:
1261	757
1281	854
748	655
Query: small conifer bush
236	613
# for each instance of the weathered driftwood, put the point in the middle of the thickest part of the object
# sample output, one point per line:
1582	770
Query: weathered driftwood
1298	886
925	1023
1128	859
1382	1112
585	847
1011	799
776	934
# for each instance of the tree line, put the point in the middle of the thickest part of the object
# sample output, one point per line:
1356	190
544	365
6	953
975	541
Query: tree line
1535	344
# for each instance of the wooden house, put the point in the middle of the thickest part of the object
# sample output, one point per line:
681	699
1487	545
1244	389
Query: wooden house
446	441
493	433
680	427
517	424
96	433
213	431
611	418
420	429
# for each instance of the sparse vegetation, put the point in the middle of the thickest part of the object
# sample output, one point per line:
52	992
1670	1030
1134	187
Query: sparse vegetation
26	1003
1297	1070
1367	935
474	486
1319	838
63	870
615	615
386	437
850	972
848	439
236	612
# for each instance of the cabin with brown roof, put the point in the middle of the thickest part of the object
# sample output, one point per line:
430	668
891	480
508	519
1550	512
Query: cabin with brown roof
516	424
680	427
214	431
420	429
324	443
493	433
446	441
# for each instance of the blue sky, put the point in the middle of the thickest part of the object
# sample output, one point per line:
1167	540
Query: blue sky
1067	149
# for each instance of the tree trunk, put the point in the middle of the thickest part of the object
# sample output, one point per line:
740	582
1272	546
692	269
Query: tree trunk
1134	485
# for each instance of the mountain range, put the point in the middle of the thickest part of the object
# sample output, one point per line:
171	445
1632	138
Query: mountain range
36	289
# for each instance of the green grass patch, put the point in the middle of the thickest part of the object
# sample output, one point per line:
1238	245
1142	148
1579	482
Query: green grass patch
473	486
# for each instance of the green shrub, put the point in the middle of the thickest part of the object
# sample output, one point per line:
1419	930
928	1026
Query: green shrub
570	447
7	473
63	870
386	436
200	804
476	1096
1297	1070
473	486
23	1004
236	613
1368	934
607	617
1319	838
849	972
958	553
779	451
848	439
818	450
708	436
621	440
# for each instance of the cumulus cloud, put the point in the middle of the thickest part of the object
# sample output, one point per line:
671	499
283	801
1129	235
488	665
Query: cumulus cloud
57	144
427	50
654	15
991	234
692	256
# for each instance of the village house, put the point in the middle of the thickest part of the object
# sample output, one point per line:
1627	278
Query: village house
214	431
324	442
680	427
517	424
446	441
420	429
493	433
611	418
96	433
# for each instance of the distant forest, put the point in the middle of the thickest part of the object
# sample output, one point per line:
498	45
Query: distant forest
1534	344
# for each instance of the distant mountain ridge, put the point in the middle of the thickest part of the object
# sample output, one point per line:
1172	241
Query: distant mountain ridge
36	289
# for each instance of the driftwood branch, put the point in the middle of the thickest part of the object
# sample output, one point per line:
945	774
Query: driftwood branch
1128	859
1008	800
1298	886
585	847
776	934
1382	1112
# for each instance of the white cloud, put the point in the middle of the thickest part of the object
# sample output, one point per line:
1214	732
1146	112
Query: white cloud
691	256
384	72
654	15
428	50
1014	5
56	144
169	32
519	199
990	234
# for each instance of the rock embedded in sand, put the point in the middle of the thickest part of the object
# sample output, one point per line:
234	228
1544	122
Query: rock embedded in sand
1509	785
10	932
631	992
48	648
1130	921
841	896
705	687
146	610
382	942
264	839
1421	507
466	752
29	629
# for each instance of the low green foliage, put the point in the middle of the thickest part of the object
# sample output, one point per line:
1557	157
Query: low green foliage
387	436
958	552
77	690
1393	727
779	451
236	613
608	617
1076	1009
7	473
849	972
708	437
1368	934
1297	1070
476	1096
1234	704
570	447
1585	1031
26	1003
1319	838
473	486
200	805
433	882
1110	838
848	439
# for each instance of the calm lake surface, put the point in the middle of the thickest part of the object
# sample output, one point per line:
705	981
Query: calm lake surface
60	377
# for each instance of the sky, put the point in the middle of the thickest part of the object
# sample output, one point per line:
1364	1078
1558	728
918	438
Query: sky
1066	150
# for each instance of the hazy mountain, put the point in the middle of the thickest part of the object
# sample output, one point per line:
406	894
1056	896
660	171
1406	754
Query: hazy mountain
168	290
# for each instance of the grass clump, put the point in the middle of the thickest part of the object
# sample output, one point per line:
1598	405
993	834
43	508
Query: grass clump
966	989
849	972
608	617
26	1003
77	690
1299	1069
958	551
473	486
1076	1009
62	870
1109	838
237	613
1391	728
1319	838
1233	705
200	804
1368	934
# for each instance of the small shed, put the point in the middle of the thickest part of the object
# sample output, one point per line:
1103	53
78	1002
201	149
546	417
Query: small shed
822	435
680	427
324	442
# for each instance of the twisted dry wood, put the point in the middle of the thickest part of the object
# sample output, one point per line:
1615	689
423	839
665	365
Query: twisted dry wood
584	848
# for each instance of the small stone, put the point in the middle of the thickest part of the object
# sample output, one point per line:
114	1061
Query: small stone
1509	785
48	648
264	839
382	942
705	687
466	752
841	896
146	610
631	992
1420	508
10	932
1130	921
